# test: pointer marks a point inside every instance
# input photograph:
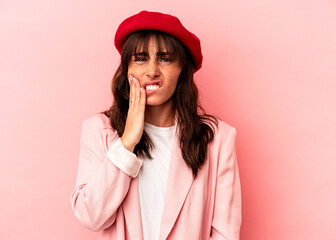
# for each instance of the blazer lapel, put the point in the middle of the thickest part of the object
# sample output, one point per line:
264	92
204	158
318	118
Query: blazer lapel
179	182
131	206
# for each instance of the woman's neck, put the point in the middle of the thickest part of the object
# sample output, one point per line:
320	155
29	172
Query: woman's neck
161	115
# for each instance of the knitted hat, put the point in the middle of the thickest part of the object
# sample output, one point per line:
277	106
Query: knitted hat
145	20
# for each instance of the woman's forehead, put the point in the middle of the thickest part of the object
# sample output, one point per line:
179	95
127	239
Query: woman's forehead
153	43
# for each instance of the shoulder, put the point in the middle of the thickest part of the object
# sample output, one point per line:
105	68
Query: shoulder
225	128
98	121
224	134
97	130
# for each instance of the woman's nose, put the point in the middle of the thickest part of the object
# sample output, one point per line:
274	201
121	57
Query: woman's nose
152	69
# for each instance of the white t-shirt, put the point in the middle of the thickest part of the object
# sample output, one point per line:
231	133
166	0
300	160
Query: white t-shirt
153	178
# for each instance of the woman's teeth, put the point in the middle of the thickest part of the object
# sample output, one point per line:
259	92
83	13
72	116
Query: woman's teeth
151	87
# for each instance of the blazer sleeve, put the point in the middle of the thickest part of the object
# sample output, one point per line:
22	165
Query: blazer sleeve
101	185
227	217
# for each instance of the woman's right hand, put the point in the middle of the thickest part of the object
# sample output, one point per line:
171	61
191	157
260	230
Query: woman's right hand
135	116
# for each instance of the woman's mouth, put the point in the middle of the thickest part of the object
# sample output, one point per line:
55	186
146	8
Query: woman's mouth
151	88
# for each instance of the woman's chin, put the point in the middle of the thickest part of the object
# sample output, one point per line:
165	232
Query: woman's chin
152	103
156	102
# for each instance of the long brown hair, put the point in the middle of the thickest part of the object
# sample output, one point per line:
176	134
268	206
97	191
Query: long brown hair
195	127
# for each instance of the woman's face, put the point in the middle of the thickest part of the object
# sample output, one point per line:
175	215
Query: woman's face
157	73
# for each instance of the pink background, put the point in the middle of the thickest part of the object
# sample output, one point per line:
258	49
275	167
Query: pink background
269	70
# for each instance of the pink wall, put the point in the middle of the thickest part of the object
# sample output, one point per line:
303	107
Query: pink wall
269	70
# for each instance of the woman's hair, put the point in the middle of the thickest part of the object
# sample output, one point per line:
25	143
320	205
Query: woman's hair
195	128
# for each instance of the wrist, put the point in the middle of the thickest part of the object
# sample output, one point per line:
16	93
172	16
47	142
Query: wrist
127	145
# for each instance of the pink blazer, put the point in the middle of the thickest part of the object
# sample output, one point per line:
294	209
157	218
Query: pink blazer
106	198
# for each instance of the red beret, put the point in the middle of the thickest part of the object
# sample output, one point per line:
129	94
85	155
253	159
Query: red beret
161	22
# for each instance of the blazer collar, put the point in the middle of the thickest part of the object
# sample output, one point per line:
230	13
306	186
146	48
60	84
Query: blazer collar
131	207
179	181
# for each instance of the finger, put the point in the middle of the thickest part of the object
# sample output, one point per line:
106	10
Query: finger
131	96
142	104
137	90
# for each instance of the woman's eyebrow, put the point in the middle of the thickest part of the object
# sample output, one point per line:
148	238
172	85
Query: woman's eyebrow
162	53
145	54
140	54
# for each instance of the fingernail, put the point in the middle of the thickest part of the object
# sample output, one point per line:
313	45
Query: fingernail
129	79
141	89
134	79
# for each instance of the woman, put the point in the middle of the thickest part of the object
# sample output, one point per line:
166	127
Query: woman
155	165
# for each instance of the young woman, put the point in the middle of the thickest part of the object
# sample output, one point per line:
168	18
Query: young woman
155	165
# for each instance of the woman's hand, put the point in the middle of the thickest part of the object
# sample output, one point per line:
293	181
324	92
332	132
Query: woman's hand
135	116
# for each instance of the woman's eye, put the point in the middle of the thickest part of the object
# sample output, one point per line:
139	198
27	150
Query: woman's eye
165	59
139	59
